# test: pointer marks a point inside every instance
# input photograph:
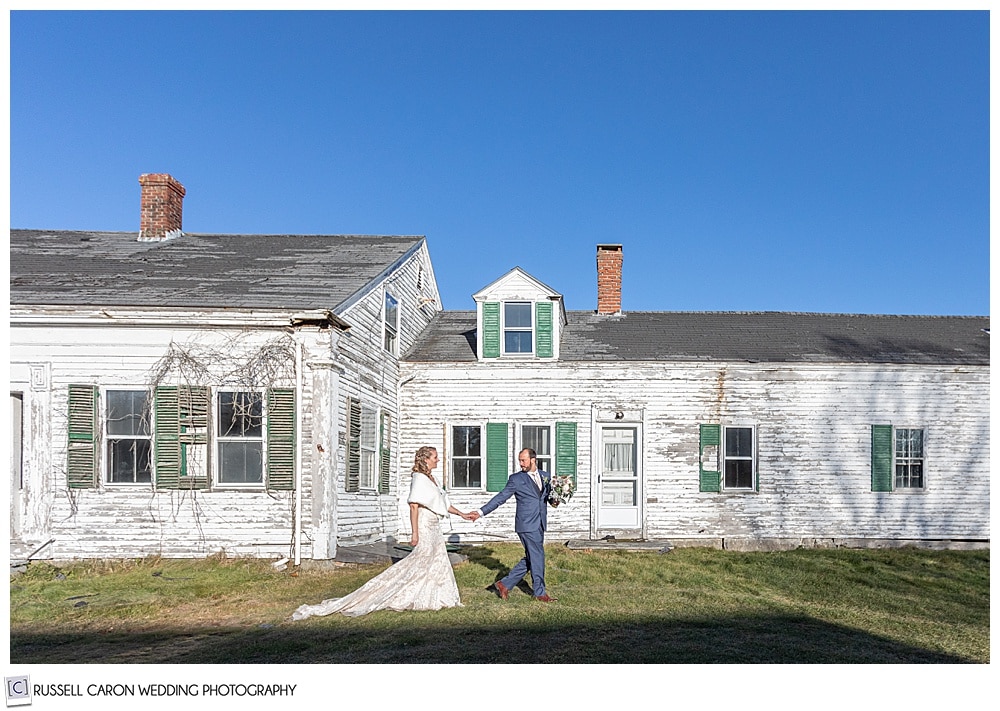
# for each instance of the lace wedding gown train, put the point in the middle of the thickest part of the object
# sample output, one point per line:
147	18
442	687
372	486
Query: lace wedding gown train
423	580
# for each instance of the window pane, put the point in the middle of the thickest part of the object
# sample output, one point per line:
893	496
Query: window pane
391	311
517	342
909	443
367	474
368	428
241	462
739	474
739	442
536	438
241	415
128	461
910	475
517	315
391	323
465	441
909	458
127	412
466	473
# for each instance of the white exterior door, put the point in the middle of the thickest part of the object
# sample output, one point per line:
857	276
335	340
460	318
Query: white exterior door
619	481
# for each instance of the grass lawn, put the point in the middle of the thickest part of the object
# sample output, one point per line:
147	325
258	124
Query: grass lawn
690	606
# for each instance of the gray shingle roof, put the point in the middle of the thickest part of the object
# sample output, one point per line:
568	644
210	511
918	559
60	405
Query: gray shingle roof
736	336
197	270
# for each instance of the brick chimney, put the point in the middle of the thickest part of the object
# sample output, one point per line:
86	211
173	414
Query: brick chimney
160	208
609	278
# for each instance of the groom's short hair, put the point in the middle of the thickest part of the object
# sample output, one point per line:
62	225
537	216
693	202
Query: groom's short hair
531	453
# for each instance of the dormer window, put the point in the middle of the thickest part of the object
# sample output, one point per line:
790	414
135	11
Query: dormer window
518	331
519	318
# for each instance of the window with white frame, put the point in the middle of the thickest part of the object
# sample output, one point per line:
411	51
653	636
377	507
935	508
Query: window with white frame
240	437
538	438
897	458
127	436
739	447
517	328
466	457
390	324
369	447
909	458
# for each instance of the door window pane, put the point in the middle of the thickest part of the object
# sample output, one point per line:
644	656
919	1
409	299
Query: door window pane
619	452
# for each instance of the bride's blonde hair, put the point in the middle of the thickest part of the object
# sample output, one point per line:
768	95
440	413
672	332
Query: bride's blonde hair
420	460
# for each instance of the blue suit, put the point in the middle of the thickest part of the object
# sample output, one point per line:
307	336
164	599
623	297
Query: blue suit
529	525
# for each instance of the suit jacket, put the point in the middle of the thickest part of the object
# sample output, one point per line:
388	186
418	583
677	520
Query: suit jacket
530	514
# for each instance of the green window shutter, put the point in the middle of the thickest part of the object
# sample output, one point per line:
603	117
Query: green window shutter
192	404
281	439
566	449
81	458
180	419
881	457
384	452
167	437
491	329
709	479
543	329
497	461
353	481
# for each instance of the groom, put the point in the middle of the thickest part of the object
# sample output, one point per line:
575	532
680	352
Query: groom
530	488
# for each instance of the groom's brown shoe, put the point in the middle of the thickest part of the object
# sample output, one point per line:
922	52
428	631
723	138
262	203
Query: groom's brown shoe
501	590
544	598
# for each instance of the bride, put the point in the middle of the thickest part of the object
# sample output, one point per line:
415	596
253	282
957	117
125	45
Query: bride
423	580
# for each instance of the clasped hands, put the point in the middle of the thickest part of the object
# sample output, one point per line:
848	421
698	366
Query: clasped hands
471	516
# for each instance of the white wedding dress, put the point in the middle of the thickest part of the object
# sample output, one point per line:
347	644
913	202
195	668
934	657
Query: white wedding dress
423	580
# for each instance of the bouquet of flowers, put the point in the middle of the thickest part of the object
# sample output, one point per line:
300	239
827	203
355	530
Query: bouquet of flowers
563	488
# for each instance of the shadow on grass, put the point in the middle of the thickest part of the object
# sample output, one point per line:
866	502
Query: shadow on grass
751	640
483	555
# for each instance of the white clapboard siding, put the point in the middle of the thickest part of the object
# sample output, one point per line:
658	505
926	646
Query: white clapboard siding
371	374
813	442
129	521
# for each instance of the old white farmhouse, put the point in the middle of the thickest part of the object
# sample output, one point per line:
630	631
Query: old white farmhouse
185	394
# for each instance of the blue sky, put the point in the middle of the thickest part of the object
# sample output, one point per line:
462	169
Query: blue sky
791	161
